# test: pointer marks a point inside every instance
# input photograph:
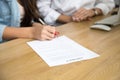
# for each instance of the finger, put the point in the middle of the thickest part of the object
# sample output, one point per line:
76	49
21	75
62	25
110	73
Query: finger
79	17
48	34
76	19
48	38
83	16
50	29
44	37
81	12
56	34
78	11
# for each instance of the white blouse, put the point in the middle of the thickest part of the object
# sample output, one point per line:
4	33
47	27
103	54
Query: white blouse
50	10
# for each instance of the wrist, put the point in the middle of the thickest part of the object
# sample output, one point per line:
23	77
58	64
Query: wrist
29	33
64	19
96	13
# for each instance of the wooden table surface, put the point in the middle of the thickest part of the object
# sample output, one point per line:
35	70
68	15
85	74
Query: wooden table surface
19	62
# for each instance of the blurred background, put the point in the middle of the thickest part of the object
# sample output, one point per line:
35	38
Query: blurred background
117	2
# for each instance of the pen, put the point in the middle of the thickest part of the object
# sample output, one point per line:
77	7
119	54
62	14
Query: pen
43	23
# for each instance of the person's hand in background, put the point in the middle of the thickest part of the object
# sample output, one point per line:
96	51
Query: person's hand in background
82	14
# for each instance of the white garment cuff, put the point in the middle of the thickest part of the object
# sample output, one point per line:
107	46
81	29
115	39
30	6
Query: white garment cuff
104	8
52	17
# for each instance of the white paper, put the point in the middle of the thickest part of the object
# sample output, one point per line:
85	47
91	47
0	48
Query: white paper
61	50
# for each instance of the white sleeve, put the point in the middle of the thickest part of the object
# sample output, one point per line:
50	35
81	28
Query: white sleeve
105	5
49	15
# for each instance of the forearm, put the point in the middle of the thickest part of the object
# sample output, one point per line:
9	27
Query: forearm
36	31
64	19
12	33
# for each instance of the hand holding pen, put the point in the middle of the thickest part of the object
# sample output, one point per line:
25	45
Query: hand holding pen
55	33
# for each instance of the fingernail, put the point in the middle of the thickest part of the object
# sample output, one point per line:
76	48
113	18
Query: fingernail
56	33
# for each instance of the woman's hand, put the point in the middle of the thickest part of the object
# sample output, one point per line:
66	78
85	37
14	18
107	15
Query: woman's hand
37	31
42	32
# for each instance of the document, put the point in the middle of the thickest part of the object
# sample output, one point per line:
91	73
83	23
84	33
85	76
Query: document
61	50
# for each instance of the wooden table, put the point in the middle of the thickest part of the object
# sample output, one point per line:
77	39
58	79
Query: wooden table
19	62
